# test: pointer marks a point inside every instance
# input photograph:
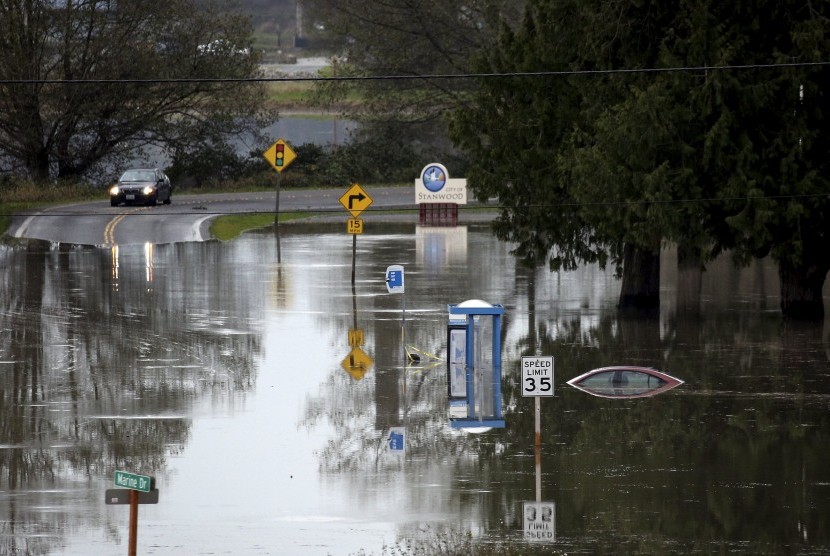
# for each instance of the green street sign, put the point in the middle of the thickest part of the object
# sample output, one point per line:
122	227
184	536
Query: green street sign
142	483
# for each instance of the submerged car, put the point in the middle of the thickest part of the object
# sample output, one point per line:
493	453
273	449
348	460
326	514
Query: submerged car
145	186
625	382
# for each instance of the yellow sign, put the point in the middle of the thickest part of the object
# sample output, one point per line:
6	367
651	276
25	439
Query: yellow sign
355	200
357	363
356	337
280	155
354	226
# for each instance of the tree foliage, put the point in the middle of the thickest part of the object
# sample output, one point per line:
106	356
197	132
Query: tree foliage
594	165
414	38
139	64
408	39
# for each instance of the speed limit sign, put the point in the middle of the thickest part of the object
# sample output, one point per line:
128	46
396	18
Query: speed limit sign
537	376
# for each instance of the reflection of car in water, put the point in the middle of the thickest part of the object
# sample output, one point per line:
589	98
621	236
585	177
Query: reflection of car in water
624	382
142	185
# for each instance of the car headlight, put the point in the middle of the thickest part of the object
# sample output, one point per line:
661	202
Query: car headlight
148	190
114	190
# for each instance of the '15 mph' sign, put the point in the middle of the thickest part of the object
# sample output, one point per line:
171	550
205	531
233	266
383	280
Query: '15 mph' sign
537	376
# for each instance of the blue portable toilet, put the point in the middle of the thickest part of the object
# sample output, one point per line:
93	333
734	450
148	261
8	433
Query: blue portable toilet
474	365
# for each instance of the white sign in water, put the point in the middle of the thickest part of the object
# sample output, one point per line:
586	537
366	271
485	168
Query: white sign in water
539	520
537	376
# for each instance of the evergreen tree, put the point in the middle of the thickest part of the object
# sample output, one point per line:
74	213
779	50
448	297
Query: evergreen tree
606	165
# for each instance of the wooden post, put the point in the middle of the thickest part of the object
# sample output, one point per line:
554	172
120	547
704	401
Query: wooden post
132	550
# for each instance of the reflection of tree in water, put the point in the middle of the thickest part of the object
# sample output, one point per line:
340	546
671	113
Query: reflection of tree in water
718	459
99	372
734	456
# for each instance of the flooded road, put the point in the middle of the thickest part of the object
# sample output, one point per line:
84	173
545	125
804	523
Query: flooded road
222	374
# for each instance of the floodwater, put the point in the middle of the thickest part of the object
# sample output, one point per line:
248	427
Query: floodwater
226	377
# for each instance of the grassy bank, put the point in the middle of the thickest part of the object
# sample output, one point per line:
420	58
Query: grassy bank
231	226
24	196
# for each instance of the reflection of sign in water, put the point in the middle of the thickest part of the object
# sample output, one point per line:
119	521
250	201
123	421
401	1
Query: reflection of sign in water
436	247
357	363
397	439
539	519
625	382
356	337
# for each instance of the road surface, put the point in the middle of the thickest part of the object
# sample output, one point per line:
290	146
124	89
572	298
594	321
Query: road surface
188	217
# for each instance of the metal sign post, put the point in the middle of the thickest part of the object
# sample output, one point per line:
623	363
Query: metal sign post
355	200
140	489
537	381
280	155
395	284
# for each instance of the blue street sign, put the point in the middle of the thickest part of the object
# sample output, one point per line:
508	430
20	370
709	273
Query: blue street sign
394	279
396	439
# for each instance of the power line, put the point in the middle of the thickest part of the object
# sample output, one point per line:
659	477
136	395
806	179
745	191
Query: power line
427	77
403	210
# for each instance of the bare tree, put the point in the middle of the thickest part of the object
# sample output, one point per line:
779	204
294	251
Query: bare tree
84	81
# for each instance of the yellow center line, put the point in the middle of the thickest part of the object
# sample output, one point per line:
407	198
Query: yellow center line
109	230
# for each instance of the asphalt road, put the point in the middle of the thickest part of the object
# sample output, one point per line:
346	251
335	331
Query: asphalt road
188	217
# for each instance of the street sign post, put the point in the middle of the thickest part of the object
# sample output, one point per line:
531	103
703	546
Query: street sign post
136	488
354	226
537	376
122	496
537	381
142	483
395	284
395	279
280	155
355	200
